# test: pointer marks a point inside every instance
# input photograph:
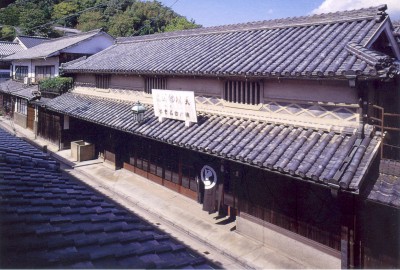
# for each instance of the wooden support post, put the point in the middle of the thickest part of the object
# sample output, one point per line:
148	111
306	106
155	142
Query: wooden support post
350	243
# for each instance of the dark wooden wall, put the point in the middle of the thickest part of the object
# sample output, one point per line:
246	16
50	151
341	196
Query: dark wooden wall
49	126
380	235
300	207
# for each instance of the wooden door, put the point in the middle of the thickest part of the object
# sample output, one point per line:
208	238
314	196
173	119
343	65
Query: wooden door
31	117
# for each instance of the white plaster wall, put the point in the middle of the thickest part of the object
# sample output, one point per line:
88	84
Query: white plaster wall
296	90
337	92
212	87
127	82
91	46
52	61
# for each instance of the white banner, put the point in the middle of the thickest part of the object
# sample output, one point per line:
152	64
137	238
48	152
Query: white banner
179	105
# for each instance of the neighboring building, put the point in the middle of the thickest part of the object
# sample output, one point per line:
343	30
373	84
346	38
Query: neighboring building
284	123
6	49
52	221
28	42
44	59
41	60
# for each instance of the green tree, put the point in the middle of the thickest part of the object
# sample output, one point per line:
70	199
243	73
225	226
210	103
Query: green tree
33	20
65	9
10	15
114	7
7	33
121	25
180	23
91	20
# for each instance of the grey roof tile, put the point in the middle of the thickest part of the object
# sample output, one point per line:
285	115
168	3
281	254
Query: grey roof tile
43	228
52	47
309	154
19	89
31	41
319	45
8	48
386	189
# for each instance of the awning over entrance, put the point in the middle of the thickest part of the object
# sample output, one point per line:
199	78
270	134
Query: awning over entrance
339	160
19	89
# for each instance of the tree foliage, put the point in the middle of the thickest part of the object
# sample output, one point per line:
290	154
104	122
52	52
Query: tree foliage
180	23
7	33
63	10
118	17
91	20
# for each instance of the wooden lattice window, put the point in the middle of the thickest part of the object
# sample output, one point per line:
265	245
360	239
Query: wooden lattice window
103	81
155	83
245	92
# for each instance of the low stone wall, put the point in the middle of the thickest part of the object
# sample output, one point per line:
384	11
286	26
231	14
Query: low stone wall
288	242
20	119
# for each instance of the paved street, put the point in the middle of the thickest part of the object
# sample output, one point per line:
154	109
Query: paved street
177	215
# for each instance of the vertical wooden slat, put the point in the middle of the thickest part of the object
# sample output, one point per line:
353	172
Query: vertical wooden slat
249	88
243	93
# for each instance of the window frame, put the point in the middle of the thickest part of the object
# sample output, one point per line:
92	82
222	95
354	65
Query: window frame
22	106
46	71
21	72
154	83
243	92
103	81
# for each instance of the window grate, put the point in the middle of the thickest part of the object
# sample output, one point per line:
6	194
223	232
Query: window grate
155	83
103	81
244	92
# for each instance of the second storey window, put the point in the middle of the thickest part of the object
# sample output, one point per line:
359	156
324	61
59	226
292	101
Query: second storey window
103	81
43	72
154	83
244	92
21	72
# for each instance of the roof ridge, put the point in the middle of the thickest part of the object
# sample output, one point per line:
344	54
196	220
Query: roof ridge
73	36
38	37
8	42
323	18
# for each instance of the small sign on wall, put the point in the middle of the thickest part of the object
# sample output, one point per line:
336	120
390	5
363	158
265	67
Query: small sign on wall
179	105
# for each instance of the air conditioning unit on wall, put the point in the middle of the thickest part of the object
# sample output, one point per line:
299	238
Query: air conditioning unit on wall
27	80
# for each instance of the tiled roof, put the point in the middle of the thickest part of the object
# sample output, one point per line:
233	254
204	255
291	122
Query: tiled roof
396	32
387	188
303	46
19	89
8	48
53	46
315	155
31	41
51	221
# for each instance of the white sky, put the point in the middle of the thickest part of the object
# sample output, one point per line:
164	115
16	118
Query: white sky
340	5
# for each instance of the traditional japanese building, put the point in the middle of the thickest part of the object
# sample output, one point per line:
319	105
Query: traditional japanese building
40	59
7	48
284	137
51	220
